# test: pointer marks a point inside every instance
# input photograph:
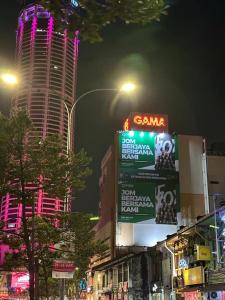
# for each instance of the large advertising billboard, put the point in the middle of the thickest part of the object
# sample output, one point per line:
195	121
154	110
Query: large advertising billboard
148	179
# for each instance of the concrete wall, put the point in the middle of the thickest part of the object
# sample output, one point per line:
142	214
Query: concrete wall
191	177
105	228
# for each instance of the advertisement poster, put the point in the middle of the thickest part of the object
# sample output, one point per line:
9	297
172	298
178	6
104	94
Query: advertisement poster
148	178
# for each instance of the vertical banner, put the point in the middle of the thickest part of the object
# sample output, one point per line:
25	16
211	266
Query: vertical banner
148	178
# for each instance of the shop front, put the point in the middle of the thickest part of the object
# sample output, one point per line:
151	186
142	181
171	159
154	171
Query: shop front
197	260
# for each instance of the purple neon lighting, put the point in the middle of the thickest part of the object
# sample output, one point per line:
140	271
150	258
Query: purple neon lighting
33	30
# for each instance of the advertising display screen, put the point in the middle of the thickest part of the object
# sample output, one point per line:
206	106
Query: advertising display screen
20	280
148	179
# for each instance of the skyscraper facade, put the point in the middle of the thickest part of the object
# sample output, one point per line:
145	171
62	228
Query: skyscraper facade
46	58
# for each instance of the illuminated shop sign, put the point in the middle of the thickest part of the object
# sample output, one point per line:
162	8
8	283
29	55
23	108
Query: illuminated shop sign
146	122
74	3
203	252
20	280
193	276
183	263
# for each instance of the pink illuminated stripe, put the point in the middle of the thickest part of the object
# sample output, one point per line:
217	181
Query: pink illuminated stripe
50	29
40	196
21	33
49	47
75	56
33	29
63	81
19	216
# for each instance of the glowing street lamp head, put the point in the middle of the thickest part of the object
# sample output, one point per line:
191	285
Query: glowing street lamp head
9	79
128	87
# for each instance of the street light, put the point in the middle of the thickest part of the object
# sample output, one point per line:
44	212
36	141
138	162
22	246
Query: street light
9	79
127	88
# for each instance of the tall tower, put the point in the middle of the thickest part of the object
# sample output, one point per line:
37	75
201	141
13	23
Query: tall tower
47	62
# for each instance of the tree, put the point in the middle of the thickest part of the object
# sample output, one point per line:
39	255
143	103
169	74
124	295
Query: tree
83	246
30	165
76	243
46	235
91	16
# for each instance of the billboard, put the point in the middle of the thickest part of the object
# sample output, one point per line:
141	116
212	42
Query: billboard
148	178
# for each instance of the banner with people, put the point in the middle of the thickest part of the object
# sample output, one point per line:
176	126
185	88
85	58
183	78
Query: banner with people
148	178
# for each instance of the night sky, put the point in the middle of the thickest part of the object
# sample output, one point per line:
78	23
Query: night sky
179	64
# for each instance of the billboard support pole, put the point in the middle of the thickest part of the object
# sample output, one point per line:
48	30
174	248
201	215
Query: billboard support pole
61	288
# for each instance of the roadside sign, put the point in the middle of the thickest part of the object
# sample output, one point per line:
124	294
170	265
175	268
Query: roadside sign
67	275
63	269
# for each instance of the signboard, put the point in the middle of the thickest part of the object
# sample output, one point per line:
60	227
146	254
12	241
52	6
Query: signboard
193	295
193	276
63	266
217	276
183	263
67	275
63	269
203	252
20	280
74	3
148	179
146	122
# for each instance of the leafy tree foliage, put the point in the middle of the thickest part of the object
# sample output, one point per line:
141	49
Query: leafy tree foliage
30	165
83	246
46	235
91	16
76	244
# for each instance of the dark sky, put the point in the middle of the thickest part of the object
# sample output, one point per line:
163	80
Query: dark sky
179	63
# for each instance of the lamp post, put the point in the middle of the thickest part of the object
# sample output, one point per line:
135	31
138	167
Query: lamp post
71	111
125	88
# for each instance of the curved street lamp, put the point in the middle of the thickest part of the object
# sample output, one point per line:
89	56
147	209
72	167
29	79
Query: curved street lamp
125	88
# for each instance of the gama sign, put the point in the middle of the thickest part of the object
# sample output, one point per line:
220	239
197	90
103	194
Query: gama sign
146	122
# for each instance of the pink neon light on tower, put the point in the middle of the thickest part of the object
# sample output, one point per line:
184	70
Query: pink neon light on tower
47	63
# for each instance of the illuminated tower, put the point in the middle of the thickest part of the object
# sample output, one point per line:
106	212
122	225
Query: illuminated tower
47	62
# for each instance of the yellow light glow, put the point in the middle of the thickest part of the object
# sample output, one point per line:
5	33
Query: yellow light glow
94	218
128	87
9	79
